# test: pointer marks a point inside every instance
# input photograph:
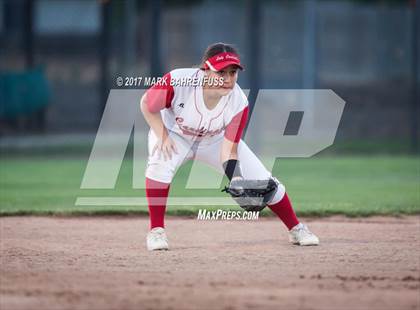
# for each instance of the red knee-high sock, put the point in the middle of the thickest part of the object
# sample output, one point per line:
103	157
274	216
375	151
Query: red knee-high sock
285	212
157	195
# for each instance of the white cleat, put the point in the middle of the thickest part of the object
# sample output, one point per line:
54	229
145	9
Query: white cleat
301	235
157	240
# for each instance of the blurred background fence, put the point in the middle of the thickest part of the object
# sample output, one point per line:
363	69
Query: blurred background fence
365	51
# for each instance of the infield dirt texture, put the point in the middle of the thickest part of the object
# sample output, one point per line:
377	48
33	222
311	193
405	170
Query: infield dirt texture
102	263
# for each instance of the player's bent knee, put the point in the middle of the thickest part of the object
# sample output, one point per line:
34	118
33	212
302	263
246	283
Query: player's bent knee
281	190
159	173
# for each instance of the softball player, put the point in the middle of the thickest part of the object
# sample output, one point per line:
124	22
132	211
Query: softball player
200	114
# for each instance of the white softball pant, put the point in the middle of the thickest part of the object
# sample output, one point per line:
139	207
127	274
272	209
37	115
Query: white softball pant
163	171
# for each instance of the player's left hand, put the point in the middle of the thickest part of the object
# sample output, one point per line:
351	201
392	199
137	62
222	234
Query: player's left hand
252	195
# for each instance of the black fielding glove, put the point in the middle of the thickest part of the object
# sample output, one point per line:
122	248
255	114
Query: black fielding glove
252	195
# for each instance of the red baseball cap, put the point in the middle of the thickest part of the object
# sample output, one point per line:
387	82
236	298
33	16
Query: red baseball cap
222	60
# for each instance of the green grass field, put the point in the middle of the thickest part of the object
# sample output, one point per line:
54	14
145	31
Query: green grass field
319	186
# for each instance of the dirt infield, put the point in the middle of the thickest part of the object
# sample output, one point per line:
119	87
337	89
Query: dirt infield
102	263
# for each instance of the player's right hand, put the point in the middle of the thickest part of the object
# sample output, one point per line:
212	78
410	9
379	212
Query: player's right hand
165	146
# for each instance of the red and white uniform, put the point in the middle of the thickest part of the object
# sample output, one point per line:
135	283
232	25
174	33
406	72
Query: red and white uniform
184	112
197	131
